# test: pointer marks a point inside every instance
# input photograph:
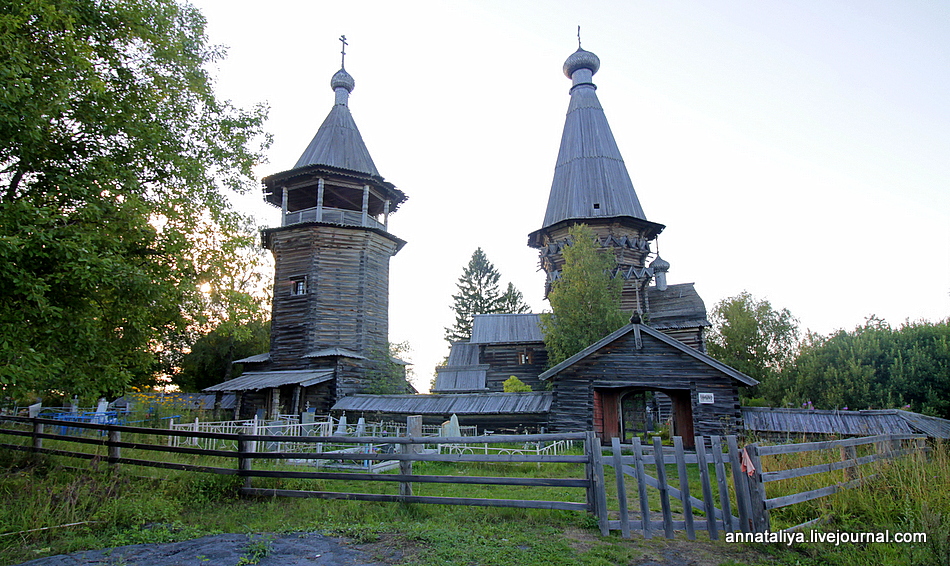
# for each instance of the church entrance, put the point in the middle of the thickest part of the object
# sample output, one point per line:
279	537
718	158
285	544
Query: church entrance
643	413
629	412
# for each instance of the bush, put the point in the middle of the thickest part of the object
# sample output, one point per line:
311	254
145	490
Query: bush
515	385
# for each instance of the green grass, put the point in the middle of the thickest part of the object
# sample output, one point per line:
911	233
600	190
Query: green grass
119	507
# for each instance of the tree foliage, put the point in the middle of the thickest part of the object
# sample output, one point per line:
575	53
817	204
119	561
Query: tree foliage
388	374
116	160
872	366
585	300
478	293
753	337
210	360
515	385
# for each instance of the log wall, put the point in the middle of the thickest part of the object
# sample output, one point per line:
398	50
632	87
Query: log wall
656	366
505	361
692	337
345	300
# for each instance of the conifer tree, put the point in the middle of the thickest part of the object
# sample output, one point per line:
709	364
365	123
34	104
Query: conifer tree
585	300
478	293
513	301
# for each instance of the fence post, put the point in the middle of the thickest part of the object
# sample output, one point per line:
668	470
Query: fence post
760	515
849	453
646	525
709	505
244	462
37	430
413	430
115	436
664	488
621	487
742	486
596	485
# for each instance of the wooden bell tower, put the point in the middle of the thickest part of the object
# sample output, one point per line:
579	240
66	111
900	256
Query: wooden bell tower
331	252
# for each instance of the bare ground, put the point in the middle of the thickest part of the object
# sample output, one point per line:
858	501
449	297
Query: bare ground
315	549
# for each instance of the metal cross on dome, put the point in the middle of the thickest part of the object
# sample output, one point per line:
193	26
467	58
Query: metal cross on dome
343	50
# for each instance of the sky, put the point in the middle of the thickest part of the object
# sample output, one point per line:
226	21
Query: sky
799	151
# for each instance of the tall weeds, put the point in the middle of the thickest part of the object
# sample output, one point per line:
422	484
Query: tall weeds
910	494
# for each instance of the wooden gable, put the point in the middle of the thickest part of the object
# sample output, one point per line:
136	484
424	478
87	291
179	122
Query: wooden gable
638	357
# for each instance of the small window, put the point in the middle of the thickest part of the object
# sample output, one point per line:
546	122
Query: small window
525	357
596	206
298	285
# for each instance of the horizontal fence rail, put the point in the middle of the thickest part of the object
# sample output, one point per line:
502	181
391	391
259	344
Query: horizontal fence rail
716	487
240	450
720	487
845	453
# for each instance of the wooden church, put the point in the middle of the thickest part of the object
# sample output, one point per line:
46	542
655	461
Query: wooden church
331	290
654	369
330	317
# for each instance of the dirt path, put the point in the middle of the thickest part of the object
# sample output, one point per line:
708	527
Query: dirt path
315	549
296	549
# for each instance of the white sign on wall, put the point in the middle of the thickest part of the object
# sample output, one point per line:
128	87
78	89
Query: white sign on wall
707	398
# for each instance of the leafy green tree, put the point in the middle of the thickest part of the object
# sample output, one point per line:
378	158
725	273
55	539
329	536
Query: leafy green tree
872	366
210	360
478	293
515	385
388	374
753	337
116	161
585	300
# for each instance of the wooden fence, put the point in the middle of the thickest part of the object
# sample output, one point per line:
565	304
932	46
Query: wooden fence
706	496
646	467
404	450
715	499
853	467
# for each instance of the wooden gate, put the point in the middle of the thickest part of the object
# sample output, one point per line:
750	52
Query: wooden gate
701	499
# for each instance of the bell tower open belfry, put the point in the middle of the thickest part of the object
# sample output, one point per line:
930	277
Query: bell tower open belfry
330	314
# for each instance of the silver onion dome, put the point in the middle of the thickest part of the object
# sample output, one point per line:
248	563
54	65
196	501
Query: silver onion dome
581	59
342	79
660	265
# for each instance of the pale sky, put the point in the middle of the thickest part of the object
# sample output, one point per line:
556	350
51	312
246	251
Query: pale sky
796	150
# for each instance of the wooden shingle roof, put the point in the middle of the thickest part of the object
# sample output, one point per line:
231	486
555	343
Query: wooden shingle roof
506	328
458	403
253	381
846	423
590	178
678	306
462	372
338	142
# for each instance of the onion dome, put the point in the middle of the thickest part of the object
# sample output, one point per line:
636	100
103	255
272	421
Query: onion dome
660	265
581	59
342	79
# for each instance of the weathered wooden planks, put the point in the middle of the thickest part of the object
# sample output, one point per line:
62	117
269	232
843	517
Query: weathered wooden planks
634	468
